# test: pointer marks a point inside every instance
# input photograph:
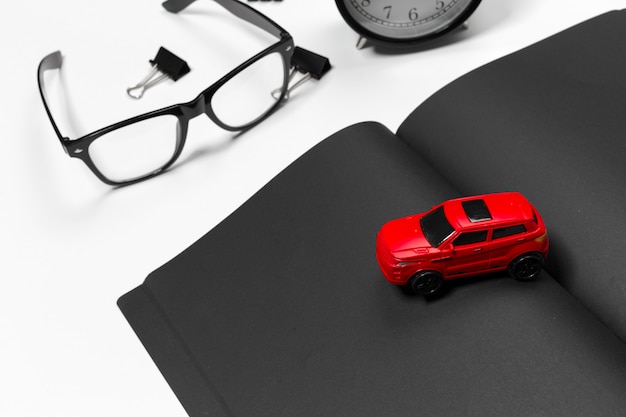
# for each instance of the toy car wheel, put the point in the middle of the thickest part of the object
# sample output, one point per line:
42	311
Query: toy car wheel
526	267
426	283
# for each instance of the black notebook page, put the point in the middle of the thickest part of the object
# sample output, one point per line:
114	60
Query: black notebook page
281	309
548	121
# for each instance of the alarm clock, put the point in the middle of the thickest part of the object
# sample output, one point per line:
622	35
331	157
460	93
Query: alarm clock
404	22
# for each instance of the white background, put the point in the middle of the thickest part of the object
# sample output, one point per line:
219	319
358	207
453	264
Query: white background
70	245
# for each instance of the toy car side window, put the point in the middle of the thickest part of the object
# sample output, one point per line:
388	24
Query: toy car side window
508	231
467	238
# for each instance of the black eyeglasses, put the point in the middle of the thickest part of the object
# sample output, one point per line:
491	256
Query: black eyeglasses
144	146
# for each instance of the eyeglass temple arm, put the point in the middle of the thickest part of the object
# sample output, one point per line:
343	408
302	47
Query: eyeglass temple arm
241	10
50	62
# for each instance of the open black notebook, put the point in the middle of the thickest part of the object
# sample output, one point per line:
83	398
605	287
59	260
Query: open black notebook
281	309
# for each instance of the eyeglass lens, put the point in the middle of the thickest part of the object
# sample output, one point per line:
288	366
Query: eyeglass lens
136	150
248	95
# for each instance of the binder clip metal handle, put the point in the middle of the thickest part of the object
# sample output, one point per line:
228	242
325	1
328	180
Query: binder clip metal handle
137	91
308	63
167	64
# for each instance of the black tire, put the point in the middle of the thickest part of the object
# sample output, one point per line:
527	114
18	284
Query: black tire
526	267
426	283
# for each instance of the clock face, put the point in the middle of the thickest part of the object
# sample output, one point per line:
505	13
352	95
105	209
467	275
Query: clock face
405	20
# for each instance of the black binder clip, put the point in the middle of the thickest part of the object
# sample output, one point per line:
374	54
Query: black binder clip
308	63
169	65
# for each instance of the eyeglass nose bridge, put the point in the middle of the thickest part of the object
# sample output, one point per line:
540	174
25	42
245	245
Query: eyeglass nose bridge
196	107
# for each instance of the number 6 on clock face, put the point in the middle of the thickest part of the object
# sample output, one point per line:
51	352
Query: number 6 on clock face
404	22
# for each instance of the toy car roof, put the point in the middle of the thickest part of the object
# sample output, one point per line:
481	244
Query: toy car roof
488	209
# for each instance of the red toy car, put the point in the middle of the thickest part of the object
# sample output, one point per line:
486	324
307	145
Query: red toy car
462	237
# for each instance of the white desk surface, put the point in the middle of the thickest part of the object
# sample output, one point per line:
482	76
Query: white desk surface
70	245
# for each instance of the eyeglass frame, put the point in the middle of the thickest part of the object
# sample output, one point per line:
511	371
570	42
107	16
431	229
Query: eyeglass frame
184	112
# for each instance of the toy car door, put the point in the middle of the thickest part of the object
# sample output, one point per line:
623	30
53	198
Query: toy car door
469	252
503	242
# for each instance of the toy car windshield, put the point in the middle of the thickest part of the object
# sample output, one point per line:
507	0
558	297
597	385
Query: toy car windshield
436	227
